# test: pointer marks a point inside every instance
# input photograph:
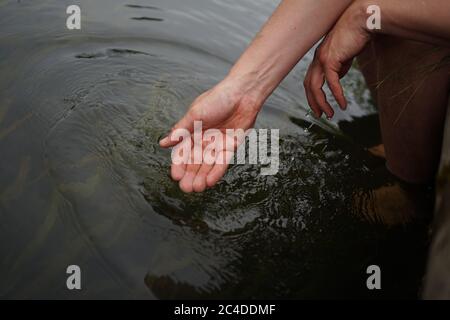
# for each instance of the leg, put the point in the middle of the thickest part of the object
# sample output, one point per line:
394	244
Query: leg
410	86
411	95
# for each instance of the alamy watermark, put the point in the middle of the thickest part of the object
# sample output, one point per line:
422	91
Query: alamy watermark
73	21
373	22
227	146
73	281
374	280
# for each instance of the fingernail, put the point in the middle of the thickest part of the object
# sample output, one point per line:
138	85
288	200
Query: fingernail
164	141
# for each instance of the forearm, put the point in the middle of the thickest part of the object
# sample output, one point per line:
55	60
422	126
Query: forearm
427	21
292	30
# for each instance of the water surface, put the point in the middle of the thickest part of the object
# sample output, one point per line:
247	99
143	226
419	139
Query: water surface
83	181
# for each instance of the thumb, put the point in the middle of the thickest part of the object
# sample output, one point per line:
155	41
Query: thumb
187	123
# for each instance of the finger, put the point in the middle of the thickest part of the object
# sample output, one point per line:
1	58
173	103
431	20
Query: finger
199	184
312	103
187	123
317	82
177	171
307	85
186	183
210	146
179	159
220	167
336	88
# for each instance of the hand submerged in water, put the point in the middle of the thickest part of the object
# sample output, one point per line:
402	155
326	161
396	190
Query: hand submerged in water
235	102
223	107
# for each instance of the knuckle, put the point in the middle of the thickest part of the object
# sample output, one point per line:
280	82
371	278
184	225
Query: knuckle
306	84
315	90
322	57
195	113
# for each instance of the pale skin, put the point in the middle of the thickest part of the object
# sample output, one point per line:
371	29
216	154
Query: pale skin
426	21
294	28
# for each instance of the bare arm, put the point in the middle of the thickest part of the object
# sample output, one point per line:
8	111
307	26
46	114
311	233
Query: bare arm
427	21
293	29
234	103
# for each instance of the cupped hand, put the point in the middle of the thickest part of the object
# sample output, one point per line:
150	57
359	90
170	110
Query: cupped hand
222	107
333	58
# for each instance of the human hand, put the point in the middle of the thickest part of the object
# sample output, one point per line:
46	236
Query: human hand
333	58
223	107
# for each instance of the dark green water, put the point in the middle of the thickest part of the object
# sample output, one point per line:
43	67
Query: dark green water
83	181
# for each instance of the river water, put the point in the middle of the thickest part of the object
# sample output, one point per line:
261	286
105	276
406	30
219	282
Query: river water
83	181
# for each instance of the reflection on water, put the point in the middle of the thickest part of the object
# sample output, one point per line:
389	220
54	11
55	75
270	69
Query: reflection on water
83	181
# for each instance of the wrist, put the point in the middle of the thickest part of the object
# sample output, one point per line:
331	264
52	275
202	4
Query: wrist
246	87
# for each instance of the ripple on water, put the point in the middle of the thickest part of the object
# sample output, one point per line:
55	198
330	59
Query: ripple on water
99	101
104	157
